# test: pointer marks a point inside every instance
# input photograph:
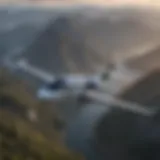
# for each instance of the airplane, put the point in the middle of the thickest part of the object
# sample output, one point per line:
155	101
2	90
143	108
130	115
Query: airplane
60	86
84	87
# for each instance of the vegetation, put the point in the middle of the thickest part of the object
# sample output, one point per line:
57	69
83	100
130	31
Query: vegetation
122	135
21	141
115	134
21	138
17	97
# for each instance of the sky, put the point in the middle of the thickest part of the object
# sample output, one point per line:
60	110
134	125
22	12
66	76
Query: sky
124	1
68	2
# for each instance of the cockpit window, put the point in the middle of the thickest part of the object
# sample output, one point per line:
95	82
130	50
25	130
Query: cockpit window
58	84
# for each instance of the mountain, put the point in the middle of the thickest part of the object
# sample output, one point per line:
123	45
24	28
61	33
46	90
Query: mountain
87	40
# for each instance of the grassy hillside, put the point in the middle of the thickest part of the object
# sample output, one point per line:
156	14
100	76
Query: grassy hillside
23	137
21	141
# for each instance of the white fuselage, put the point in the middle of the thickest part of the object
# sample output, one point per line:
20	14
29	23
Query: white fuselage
76	84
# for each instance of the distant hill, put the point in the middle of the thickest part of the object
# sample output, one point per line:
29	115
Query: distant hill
87	40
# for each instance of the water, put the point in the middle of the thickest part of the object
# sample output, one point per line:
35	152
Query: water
80	131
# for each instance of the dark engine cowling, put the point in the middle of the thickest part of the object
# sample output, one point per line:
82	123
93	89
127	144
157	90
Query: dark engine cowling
91	86
82	98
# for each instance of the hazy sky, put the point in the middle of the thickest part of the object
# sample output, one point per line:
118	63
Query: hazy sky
87	1
92	2
123	1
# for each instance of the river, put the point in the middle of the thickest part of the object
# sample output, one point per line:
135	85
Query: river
80	131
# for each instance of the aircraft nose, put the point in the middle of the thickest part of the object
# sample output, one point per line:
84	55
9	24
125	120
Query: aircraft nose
46	94
43	94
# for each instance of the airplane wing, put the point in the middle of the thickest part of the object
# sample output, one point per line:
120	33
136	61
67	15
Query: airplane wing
71	79
34	71
106	99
